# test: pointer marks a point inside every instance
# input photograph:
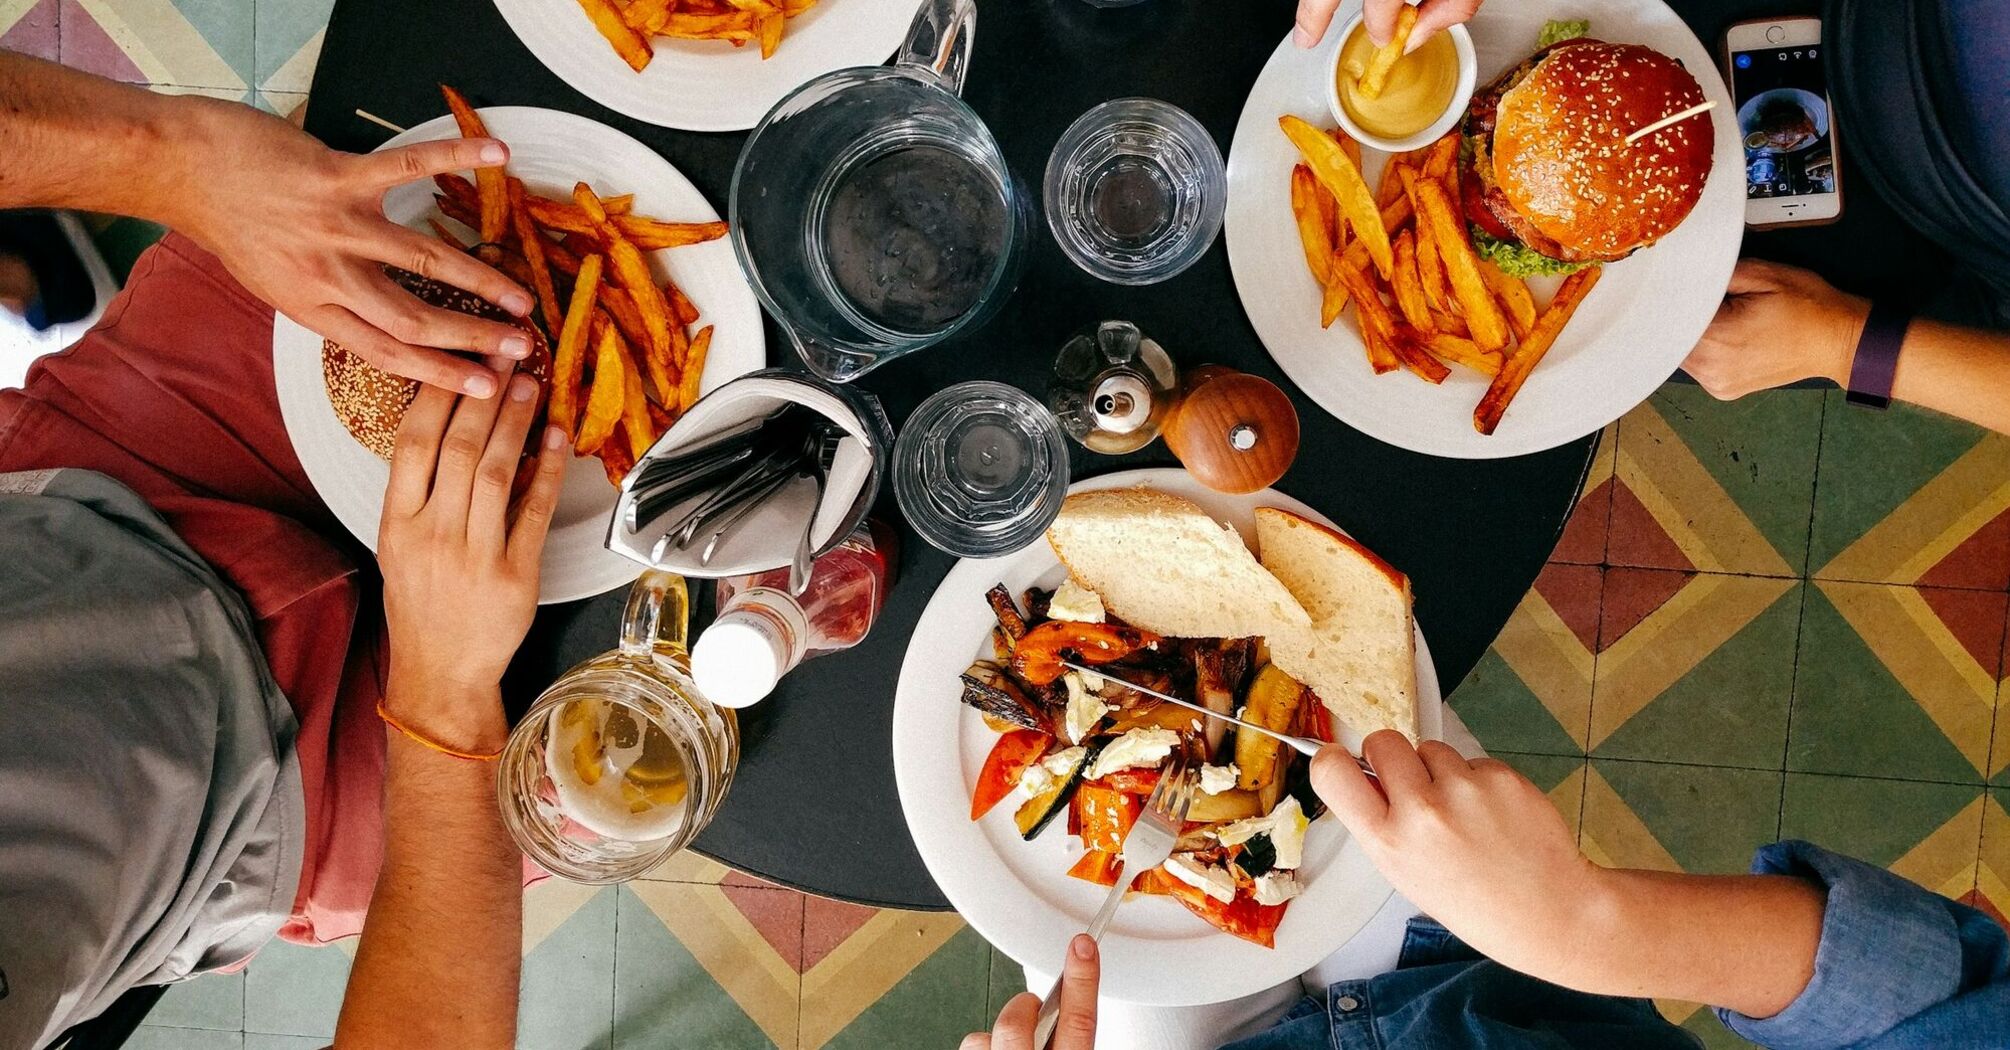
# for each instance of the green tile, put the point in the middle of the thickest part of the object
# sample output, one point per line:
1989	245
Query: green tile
156	1037
568	982
936	1004
1878	821
227	26
1008	979
663	998
1728	710
284	27
260	1041
1851	717
1709	819
1546	771
1873	461
1760	448
1703	1024
211	1001
291	990
1506	715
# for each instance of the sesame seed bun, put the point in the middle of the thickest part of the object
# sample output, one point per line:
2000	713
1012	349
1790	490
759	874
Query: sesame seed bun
1561	160
371	402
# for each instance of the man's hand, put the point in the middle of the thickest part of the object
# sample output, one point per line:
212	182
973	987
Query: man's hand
1380	15
1473	844
302	226
1075	1027
460	566
1777	325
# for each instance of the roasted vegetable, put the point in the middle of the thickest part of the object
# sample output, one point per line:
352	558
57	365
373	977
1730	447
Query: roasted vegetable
1258	856
1273	704
1037	656
1007	762
986	688
1009	619
1213	689
1107	815
1099	867
1164	715
1229	805
1253	922
1039	811
1037	602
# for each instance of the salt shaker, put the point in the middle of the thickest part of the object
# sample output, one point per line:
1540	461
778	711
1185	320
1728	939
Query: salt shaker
1112	388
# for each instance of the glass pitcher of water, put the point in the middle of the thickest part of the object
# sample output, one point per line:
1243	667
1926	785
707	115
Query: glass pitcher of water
622	762
872	208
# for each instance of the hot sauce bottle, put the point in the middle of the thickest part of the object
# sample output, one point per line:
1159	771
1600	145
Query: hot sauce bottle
762	631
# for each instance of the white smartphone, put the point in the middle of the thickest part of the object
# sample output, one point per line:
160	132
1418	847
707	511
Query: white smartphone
1778	80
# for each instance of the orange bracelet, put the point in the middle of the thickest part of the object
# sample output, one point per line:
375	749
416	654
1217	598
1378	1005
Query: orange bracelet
431	744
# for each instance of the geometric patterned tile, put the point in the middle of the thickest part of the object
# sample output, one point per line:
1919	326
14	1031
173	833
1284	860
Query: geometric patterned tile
288	42
259	1041
293	990
939	1001
1992	881
1929	833
1668	817
28	27
1007	980
1704	673
1583	539
286	104
1717	486
190	43
895	953
1531	690
1911	496
214	1001
668	994
155	1037
568	971
1897	681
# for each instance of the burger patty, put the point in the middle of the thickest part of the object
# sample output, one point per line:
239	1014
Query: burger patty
1484	200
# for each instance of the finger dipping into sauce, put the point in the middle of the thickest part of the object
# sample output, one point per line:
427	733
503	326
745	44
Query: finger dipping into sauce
1419	88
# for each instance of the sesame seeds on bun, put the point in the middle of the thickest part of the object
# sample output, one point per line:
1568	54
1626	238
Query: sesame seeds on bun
1560	154
371	402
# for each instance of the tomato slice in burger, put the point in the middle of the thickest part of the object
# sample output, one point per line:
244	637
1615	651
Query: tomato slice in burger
1472	195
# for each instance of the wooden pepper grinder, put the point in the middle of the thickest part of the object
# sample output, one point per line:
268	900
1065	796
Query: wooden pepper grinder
1234	432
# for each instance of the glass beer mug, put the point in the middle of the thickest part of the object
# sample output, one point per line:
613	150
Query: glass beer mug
622	762
872	208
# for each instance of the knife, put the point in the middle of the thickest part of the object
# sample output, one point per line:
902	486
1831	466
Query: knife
1304	745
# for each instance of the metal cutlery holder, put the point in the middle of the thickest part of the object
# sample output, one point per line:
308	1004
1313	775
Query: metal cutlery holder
739	481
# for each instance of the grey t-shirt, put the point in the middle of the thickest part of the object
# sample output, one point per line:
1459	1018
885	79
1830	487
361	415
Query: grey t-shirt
151	818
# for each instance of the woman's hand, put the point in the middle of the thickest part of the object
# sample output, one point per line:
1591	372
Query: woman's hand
1473	844
1074	1026
1777	325
460	564
1380	15
302	226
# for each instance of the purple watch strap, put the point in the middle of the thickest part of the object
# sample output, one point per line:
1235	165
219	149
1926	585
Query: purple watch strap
1876	363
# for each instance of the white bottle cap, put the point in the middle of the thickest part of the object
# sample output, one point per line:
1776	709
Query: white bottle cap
738	660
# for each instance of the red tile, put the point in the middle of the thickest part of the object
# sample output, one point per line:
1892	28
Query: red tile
827	924
1635	538
776	914
1980	902
34	32
1572	591
1583	540
1975	618
1632	595
86	46
1982	560
735	877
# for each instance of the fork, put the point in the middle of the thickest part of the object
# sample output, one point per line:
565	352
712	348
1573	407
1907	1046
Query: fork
1147	846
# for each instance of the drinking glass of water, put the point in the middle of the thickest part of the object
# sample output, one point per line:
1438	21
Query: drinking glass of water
1135	191
980	469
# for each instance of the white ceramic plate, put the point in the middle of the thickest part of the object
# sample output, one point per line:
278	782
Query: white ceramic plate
708	85
549	151
1017	893
1629	335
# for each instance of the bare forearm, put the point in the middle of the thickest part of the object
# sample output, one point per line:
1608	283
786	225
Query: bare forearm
1963	372
1744	942
438	962
72	140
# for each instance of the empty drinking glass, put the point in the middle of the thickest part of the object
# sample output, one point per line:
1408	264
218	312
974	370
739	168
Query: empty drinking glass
1135	191
980	469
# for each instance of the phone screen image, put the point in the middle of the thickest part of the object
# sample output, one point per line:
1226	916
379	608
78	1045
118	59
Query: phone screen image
1783	113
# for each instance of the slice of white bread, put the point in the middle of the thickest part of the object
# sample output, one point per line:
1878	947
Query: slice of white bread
1360	653
1160	563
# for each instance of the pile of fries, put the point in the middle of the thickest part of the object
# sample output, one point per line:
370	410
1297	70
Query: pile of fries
1403	255
621	343
628	24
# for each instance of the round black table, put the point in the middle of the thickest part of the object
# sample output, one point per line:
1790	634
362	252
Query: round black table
814	804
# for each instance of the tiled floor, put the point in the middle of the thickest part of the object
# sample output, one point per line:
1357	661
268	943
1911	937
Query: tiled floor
1780	617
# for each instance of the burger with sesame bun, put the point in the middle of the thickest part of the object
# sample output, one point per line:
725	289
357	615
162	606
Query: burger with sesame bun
371	402
1551	184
